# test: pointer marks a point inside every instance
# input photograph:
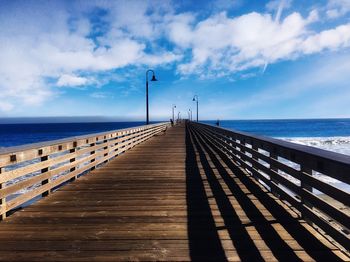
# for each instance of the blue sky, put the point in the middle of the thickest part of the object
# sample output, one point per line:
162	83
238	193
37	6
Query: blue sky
244	59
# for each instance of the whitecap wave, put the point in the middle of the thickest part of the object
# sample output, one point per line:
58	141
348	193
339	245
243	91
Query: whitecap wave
335	144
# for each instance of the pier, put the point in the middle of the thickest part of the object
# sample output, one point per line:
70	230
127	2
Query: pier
188	192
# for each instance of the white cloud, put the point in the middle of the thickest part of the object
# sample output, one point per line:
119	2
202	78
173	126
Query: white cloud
71	80
337	8
222	44
232	44
274	5
43	40
180	29
278	6
333	39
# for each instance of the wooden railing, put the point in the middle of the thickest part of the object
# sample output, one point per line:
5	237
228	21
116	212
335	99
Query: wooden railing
291	172
35	170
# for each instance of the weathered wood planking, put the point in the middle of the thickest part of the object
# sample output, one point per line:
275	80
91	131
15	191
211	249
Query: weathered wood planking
171	198
45	166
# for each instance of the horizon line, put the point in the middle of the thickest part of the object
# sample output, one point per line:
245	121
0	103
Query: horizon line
102	119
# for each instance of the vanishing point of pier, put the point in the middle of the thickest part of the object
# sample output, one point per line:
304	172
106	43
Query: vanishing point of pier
156	192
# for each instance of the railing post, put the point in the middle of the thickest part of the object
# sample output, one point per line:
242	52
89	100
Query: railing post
132	143
242	143
274	156
45	181
92	153
73	150
137	138
228	143
116	145
122	138
2	201
305	186
255	148
254	155
105	148
235	148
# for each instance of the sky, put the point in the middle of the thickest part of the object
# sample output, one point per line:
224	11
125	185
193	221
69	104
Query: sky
244	59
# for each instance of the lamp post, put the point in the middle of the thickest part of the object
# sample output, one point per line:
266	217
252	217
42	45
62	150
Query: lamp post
190	114
178	116
195	98
153	79
174	106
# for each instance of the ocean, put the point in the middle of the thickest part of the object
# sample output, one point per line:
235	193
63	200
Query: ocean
328	134
20	134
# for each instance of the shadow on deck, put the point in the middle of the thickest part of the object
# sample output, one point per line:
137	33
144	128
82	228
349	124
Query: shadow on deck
250	223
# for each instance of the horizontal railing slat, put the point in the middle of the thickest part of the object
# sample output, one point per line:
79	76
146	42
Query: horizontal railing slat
50	164
328	189
36	150
334	164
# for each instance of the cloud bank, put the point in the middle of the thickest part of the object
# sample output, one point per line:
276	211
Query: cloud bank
47	45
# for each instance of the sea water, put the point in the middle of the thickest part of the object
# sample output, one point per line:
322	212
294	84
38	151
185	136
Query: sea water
20	134
328	134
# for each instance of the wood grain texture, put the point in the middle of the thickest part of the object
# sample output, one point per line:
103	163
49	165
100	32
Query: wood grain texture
171	198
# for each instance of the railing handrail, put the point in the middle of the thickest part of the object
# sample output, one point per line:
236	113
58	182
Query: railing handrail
37	169
310	152
315	151
13	149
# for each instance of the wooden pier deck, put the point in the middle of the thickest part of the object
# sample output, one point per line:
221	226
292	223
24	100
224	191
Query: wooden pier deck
173	197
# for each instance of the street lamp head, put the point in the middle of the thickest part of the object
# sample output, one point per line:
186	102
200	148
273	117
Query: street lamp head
194	99
154	78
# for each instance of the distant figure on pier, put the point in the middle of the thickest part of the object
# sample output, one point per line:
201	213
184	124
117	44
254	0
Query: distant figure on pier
218	122
171	122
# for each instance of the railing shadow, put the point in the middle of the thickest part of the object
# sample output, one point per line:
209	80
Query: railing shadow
204	242
241	240
280	249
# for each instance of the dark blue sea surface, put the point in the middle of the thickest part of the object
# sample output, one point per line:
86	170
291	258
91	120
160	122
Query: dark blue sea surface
290	128
19	134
